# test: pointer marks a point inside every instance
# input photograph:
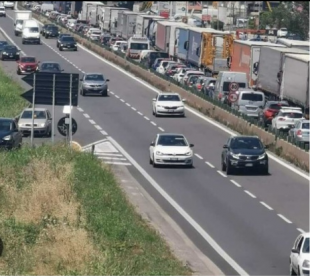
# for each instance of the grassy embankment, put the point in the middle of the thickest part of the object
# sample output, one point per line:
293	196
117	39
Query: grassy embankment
62	212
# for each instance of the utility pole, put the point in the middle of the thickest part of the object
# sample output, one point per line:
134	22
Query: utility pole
218	16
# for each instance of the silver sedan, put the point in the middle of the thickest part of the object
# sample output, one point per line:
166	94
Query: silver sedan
95	84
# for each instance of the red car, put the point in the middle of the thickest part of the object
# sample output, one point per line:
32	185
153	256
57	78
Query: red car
27	65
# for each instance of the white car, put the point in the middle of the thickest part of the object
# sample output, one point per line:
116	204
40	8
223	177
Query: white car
180	74
286	118
169	104
9	4
171	149
2	11
300	256
282	32
161	69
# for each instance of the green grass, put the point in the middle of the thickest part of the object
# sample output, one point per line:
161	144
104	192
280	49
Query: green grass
11	104
47	193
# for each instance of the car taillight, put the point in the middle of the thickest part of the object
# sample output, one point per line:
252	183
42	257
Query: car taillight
220	95
281	119
198	86
299	133
270	110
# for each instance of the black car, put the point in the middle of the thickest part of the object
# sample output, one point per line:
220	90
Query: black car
50	67
10	136
244	152
59	37
10	52
44	28
2	44
51	31
150	58
67	43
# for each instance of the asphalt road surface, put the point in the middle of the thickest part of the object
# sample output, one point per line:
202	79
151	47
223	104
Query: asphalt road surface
254	219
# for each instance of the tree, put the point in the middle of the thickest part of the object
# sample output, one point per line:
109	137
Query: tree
294	17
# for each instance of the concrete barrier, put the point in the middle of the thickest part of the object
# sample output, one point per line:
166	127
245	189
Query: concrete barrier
282	148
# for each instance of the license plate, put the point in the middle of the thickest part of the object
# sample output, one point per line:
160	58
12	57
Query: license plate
249	165
171	110
28	69
173	159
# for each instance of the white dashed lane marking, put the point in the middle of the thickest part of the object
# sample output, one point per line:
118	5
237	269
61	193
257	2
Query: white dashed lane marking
111	92
154	124
197	155
161	129
266	205
122	100
116	96
140	113
221	173
284	218
300	230
133	109
128	104
210	165
250	194
235	183
103	132
86	115
92	122
98	127
146	118
80	109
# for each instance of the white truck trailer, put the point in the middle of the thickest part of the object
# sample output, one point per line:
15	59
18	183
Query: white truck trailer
20	17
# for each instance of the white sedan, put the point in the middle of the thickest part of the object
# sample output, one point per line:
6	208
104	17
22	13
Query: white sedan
168	104
171	149
300	256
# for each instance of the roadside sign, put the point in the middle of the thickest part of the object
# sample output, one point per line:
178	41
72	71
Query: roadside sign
233	86
63	126
233	97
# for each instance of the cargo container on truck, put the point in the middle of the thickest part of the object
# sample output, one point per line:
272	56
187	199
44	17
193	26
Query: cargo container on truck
120	22
151	28
270	66
142	23
114	19
110	18
304	45
20	17
182	42
295	79
165	35
47	7
90	10
129	24
245	57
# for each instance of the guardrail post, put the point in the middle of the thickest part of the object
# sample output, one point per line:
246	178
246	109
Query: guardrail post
93	149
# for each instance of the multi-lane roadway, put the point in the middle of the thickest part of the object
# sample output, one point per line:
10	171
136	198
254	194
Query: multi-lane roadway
245	223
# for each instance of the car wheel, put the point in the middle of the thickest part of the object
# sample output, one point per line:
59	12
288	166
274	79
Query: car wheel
105	93
223	166
265	171
154	164
60	48
155	113
229	169
75	50
18	72
151	162
16	33
46	36
82	93
39	42
292	271
2	58
23	41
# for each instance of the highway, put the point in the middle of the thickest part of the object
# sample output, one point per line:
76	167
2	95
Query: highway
253	218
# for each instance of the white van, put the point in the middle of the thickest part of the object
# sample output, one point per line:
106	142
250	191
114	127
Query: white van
249	102
223	81
31	32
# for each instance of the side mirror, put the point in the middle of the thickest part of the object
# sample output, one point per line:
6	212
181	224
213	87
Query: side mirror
225	147
295	251
191	145
152	144
107	80
154	99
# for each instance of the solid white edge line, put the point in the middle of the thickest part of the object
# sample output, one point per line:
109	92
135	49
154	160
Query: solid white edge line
108	154
210	165
181	211
95	143
221	173
300	230
209	120
236	183
11	40
117	163
197	155
111	158
284	218
250	194
266	205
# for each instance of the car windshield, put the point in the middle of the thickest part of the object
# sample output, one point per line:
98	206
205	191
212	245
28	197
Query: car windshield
27	114
293	115
68	39
252	97
172	141
5	125
53	29
63	35
169	98
10	48
277	106
246	143
305	125
139	46
50	66
94	77
28	59
305	248
33	30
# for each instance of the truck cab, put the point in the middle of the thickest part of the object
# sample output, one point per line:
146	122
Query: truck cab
31	32
137	44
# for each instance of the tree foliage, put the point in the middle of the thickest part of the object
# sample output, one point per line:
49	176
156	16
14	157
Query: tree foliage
288	15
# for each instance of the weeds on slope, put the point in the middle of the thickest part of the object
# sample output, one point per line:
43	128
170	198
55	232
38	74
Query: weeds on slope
62	212
11	104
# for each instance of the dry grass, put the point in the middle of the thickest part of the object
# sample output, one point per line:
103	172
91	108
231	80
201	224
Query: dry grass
47	202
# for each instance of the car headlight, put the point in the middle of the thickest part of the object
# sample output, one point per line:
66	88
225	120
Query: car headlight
306	264
5	53
159	153
61	44
42	125
188	153
261	156
158	106
236	156
7	138
21	125
75	44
